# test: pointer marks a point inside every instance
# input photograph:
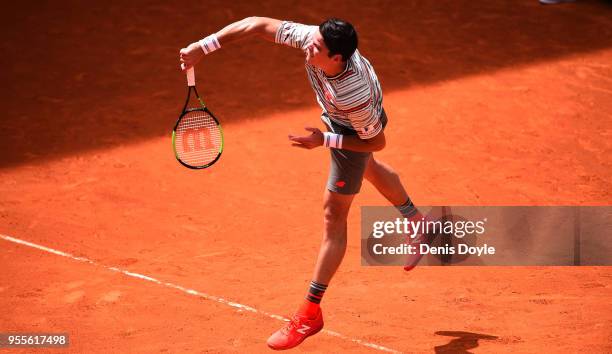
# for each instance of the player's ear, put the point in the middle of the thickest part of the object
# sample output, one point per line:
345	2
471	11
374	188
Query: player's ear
337	58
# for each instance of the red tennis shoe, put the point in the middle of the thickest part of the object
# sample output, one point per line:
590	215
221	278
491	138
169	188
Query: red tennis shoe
421	238
294	333
413	259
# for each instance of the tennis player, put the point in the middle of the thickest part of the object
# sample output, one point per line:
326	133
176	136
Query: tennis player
351	100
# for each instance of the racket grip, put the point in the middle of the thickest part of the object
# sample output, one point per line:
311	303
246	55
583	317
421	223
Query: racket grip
190	77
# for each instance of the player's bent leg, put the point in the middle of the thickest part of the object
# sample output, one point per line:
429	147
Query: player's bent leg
384	178
388	183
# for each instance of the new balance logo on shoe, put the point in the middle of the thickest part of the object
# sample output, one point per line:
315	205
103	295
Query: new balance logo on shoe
295	331
303	329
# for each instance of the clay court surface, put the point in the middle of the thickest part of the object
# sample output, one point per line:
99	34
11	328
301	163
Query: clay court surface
490	103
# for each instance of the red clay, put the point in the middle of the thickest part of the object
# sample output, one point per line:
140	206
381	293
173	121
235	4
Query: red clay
489	104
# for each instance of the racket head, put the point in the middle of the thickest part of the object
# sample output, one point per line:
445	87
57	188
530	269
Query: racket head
197	138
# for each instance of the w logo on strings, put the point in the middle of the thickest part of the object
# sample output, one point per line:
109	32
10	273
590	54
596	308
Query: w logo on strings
197	135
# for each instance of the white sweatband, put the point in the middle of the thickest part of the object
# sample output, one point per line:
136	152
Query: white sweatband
331	140
210	44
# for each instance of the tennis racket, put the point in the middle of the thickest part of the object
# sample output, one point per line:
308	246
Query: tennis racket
197	138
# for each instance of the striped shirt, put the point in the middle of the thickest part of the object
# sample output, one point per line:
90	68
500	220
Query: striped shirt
353	98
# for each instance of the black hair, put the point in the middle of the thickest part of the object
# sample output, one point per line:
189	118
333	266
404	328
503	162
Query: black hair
340	37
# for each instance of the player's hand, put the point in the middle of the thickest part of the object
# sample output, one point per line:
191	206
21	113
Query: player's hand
308	141
191	55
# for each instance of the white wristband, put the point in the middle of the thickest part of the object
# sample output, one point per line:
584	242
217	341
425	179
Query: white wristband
210	44
332	141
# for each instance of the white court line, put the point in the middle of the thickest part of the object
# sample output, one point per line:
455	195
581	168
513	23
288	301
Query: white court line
193	292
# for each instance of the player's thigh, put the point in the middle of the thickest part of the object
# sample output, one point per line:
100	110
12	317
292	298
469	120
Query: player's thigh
371	168
336	205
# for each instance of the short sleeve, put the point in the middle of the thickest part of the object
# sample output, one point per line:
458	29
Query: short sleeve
372	127
294	34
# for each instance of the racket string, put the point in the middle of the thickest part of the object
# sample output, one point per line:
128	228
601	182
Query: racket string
198	139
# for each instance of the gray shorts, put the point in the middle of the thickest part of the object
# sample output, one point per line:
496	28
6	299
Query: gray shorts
347	167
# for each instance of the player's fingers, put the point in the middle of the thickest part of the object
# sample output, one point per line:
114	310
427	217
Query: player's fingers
296	138
299	145
312	129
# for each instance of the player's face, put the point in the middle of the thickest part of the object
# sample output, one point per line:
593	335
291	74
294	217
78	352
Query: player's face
317	53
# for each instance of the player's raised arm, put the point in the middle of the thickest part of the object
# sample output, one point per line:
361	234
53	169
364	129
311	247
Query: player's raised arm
262	27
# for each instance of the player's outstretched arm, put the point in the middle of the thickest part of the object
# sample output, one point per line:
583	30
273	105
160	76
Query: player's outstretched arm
347	142
262	27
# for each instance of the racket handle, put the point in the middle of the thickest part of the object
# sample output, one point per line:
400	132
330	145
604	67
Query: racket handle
190	76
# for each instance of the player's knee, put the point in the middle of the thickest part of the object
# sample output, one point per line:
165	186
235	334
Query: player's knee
392	174
334	215
334	228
